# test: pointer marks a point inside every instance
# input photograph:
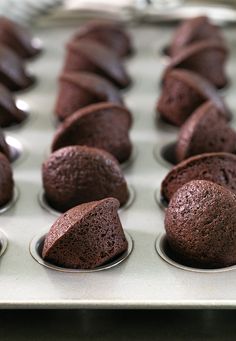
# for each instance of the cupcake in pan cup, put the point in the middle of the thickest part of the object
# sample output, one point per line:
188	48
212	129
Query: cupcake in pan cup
10	114
86	237
79	89
104	125
6	182
206	58
200	224
194	30
216	167
18	39
108	33
12	70
89	55
79	174
183	92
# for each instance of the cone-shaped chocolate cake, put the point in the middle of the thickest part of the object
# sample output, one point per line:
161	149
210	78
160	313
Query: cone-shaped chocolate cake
104	125
89	55
17	38
216	167
79	174
9	113
205	131
194	30
108	33
79	89
200	224
6	181
87	236
183	91
12	72
207	58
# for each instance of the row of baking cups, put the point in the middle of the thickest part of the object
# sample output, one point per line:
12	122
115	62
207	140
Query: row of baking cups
84	47
174	56
16	47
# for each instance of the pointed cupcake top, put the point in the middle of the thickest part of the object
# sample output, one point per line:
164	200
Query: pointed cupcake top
205	131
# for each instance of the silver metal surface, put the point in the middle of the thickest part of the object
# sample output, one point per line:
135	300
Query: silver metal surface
47	207
36	247
3	243
144	280
17	152
160	201
163	152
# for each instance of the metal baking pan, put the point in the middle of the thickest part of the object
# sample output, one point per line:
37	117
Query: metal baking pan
145	279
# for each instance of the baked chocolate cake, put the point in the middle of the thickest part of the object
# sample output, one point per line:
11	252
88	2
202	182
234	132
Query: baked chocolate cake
216	167
207	58
79	89
200	225
205	131
108	33
12	72
183	92
86	237
6	181
194	30
78	174
104	125
9	113
17	38
92	56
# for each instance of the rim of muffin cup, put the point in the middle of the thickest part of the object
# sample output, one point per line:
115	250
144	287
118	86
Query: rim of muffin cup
163	153
164	251
3	242
42	200
18	152
36	246
11	203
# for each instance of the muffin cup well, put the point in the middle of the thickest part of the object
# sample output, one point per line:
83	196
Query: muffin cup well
12	202
47	207
36	246
164	153
160	200
164	251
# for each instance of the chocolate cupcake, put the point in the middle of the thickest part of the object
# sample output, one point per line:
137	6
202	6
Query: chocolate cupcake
207	58
194	30
200	225
108	33
12	72
6	181
78	174
205	131
89	55
79	89
216	167
87	236
17	38
104	125
9	113
183	92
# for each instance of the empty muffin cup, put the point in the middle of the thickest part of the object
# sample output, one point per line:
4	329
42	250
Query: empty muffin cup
164	251
164	153
12	202
3	243
47	207
36	247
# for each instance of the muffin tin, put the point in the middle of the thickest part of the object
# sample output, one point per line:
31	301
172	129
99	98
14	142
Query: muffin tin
148	278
